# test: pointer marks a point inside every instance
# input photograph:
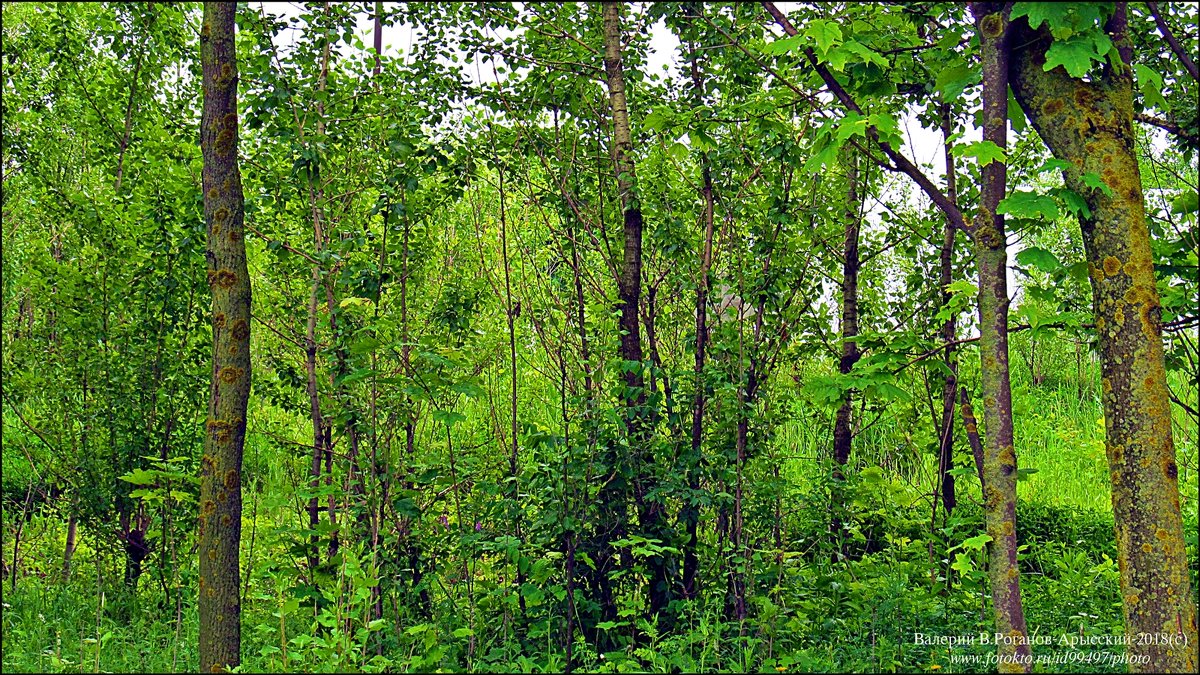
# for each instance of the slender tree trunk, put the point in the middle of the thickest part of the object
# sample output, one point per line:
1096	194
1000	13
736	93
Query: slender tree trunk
220	523
999	458
318	424
950	384
842	431
691	509
69	551
1090	125
629	286
510	312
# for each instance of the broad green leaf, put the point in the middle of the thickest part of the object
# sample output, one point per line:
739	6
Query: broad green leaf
1023	204
826	33
985	152
951	82
448	417
1093	180
1188	202
785	45
977	542
1076	53
1054	164
1150	82
1040	258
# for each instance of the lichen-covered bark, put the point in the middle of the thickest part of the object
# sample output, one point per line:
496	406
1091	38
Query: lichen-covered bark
220	522
1089	124
999	458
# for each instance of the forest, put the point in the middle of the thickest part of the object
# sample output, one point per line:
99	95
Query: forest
600	336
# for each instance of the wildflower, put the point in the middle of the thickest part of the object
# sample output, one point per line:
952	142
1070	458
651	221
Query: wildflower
935	667
478	526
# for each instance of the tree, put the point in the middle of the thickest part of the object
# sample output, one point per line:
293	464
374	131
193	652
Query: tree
220	524
991	259
1089	126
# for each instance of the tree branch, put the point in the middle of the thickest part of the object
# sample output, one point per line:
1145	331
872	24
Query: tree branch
953	214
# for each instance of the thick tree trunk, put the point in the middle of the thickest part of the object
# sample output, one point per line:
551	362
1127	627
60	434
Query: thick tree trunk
1090	125
999	457
220	523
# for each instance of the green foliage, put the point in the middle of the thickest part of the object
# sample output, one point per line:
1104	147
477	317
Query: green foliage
494	491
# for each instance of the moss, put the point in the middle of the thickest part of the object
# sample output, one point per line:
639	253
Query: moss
231	479
230	374
992	26
219	320
220	430
1052	107
1112	266
241	329
226	520
221	215
223	278
987	235
213	195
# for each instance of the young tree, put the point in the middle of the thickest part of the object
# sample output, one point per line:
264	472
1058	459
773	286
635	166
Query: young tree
220	524
1089	125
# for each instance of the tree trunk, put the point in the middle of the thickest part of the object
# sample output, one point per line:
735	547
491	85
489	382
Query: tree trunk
629	287
691	511
842	432
999	458
1090	125
220	522
950	384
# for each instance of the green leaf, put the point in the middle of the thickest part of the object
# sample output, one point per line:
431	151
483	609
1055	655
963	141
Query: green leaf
826	33
1022	204
1075	202
448	417
873	475
1188	202
140	477
785	45
1054	13
963	286
826	155
1040	258
1093	180
977	542
1150	82
984	152
1054	164
951	82
1016	114
359	374
1076	53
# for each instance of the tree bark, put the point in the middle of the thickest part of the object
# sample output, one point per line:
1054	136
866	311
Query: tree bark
999	458
220	521
691	510
842	432
629	288
1089	124
950	384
